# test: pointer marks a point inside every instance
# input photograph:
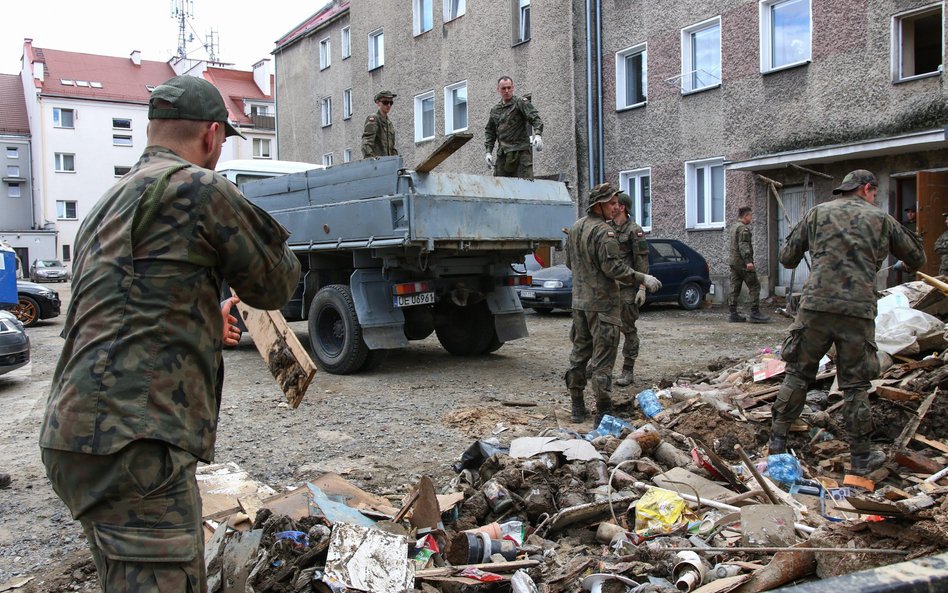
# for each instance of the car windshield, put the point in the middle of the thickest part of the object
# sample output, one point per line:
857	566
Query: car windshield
48	263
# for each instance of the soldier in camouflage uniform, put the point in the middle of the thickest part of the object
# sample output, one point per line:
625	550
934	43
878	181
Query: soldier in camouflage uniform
378	134
848	238
507	126
941	248
136	393
741	261
594	257
634	251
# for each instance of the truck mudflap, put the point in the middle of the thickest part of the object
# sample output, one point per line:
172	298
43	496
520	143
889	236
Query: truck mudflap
383	325
509	321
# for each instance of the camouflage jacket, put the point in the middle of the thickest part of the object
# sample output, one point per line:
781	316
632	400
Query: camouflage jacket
633	248
941	248
594	256
507	125
378	136
142	352
848	239
741	245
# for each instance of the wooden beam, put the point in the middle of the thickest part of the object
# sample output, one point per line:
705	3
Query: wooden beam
287	359
912	425
810	171
450	145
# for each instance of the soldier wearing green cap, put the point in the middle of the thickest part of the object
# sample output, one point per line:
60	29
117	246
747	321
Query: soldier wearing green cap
594	256
634	250
848	238
136	393
378	134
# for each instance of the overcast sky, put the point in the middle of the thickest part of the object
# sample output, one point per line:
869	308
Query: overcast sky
245	30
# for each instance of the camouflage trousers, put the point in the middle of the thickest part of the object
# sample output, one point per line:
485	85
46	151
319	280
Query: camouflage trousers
739	277
595	337
630	345
811	335
516	163
141	512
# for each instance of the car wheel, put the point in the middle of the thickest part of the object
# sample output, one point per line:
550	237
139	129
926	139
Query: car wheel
27	311
690	296
543	310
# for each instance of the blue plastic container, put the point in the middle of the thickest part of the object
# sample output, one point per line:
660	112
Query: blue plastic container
648	403
8	294
784	468
609	425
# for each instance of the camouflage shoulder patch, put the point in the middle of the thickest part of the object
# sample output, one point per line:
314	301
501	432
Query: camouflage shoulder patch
640	234
526	99
611	234
370	118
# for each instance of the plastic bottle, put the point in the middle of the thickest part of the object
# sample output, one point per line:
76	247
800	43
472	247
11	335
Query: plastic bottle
609	425
784	468
648	403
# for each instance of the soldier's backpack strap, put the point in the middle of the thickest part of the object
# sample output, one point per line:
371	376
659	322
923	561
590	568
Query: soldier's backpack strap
149	202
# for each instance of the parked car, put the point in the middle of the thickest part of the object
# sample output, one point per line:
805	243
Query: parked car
14	343
36	302
684	273
48	270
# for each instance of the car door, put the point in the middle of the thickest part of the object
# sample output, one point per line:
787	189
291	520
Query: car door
668	265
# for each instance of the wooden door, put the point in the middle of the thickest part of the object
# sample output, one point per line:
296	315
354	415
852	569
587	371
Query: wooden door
932	201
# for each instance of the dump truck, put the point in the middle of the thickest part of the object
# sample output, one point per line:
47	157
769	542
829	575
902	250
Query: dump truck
390	255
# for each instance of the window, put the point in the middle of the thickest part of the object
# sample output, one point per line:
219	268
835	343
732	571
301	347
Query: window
347	155
324	54
327	159
120	170
66	210
13	190
704	194
67	253
784	33
326	103
638	184
521	21
376	49
121	140
259	110
701	56
917	43
121	123
65	163
63	118
423	16
631	83
424	116
347	104
453	9
346	43
261	148
13	170
455	108
13	152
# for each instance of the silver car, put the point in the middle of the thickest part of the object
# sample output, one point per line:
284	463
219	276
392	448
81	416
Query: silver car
14	343
48	270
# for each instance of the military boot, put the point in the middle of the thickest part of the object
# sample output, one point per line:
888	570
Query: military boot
777	444
758	317
577	406
603	407
864	463
735	317
627	376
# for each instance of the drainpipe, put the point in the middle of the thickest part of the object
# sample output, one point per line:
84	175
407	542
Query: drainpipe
589	97
602	174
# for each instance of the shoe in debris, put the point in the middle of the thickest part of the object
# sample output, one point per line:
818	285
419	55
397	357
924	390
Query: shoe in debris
865	463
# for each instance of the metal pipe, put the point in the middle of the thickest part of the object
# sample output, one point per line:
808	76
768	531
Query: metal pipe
775	549
602	174
589	113
349	245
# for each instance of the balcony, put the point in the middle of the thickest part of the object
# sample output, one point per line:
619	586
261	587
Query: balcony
263	122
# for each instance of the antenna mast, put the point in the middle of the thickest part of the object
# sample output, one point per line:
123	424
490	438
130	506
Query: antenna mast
182	10
212	45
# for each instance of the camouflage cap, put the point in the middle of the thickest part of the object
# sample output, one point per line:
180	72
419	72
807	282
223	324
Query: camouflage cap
384	95
601	193
191	98
855	179
626	200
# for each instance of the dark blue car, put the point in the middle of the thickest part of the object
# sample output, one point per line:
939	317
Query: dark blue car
684	273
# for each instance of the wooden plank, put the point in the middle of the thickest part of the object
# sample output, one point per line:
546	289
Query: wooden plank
912	425
285	356
450	145
895	394
931	443
489	566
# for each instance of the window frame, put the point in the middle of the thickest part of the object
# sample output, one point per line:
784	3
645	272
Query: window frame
522	30
13	170
67	252
261	142
327	159
58	118
687	65
417	16
345	42
115	170
13	152
449	108
117	120
325	53
376	59
420	114
325	111
622	77
59	162
65	203
123	140
446	9
896	37
347	103
691	197
347	155
13	187
626	180
766	8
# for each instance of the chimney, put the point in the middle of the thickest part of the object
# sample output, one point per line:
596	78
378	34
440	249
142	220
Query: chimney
261	76
136	57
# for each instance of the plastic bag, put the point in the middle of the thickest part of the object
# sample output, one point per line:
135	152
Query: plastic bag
900	329
784	468
661	511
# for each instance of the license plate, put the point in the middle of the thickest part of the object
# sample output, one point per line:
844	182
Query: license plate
528	294
424	298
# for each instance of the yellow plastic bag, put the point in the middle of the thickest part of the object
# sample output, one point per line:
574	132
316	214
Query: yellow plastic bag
661	511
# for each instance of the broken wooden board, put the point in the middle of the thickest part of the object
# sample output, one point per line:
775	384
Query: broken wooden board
895	394
450	145
912	425
287	359
939	445
336	486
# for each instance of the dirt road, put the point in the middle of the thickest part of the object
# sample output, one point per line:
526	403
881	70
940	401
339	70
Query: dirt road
413	416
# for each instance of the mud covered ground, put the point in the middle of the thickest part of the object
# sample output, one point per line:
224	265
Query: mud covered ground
413	416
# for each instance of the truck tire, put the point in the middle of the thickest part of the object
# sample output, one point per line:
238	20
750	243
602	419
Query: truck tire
373	360
335	335
494	344
464	331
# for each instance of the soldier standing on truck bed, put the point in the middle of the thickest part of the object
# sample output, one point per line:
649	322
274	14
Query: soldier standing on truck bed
378	134
594	257
507	126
